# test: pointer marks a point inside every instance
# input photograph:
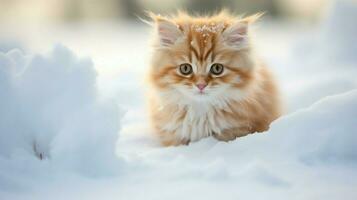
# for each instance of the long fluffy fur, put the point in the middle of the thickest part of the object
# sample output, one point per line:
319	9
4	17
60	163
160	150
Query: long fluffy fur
241	101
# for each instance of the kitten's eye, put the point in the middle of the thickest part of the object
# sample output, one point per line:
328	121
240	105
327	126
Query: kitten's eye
216	69
185	69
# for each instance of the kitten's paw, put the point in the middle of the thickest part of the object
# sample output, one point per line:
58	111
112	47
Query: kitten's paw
231	134
226	137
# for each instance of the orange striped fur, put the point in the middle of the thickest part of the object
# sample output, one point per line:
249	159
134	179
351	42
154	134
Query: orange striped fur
241	100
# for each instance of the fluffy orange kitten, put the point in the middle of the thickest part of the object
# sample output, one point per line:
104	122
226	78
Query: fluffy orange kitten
207	81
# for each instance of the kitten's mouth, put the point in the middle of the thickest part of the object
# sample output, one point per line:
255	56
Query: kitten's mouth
201	93
200	96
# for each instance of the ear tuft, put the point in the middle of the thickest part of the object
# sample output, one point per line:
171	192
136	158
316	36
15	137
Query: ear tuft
252	18
168	31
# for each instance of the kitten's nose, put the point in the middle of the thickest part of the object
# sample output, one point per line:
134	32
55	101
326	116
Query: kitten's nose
201	86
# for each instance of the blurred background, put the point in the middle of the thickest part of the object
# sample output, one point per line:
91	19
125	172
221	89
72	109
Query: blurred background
101	29
112	35
64	11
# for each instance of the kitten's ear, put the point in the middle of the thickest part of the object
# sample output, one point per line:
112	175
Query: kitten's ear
236	35
168	32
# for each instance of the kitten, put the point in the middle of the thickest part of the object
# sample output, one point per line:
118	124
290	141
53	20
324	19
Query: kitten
207	81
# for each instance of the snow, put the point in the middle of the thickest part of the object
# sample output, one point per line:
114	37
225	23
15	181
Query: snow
211	28
50	111
84	114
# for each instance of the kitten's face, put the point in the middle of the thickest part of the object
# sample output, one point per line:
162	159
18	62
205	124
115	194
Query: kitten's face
202	59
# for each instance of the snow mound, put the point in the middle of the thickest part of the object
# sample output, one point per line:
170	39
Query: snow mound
50	110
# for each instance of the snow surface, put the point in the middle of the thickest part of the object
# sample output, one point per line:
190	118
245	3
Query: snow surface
73	128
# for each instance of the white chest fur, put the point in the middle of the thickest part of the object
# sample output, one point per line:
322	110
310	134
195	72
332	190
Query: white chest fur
200	121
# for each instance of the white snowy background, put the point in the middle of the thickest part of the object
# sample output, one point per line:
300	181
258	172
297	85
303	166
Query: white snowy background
73	123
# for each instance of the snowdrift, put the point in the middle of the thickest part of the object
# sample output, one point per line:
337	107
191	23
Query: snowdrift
50	111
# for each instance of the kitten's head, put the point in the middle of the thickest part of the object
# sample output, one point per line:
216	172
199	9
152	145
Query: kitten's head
202	58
